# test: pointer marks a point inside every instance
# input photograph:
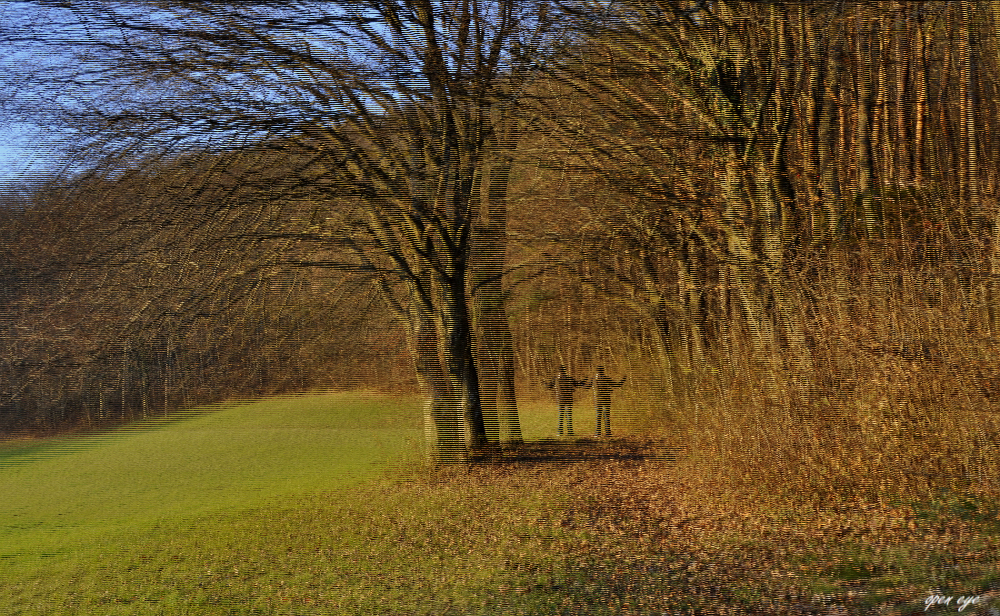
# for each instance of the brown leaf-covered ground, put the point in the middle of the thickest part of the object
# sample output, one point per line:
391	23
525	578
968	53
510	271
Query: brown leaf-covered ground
662	534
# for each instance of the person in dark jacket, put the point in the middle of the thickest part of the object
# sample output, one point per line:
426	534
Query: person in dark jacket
565	387
603	384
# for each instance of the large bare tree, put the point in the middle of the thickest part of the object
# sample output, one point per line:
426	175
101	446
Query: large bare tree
399	108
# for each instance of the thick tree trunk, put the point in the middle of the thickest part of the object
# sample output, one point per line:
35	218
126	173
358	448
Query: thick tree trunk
440	342
442	427
462	374
495	345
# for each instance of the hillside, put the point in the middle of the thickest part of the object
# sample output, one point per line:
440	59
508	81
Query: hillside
67	494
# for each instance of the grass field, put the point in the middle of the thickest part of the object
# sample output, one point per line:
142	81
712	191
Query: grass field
216	510
74	500
288	506
65	492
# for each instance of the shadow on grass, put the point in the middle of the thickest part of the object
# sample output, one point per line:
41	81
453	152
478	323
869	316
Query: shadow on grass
578	450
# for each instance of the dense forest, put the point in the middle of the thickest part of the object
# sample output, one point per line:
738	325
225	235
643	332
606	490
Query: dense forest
778	219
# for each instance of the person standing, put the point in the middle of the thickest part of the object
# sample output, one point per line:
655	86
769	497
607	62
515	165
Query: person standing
603	384
565	387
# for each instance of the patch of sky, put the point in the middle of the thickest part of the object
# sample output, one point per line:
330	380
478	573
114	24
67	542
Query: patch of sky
299	64
36	39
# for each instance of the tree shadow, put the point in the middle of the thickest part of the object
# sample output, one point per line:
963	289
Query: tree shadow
563	451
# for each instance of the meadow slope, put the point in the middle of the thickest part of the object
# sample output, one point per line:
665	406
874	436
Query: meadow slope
65	495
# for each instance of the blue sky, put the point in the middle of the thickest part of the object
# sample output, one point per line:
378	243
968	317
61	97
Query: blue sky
26	152
37	36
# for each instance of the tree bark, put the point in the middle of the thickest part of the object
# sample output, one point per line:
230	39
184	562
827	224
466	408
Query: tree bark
967	88
495	348
904	61
462	374
863	133
810	109
920	108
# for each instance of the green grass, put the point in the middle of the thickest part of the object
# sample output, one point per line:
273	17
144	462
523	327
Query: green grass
67	494
375	549
540	418
283	506
287	506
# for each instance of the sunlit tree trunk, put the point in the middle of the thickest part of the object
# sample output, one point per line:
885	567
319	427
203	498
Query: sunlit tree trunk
461	365
828	136
863	133
969	141
810	108
992	291
920	107
495	348
903	60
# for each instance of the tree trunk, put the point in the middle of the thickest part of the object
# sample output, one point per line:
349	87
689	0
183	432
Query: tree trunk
920	110
463	377
444	417
781	181
863	132
809	137
967	88
495	348
828	129
903	62
992	291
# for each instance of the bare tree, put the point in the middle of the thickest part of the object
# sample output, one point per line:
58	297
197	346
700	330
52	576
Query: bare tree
670	74
393	105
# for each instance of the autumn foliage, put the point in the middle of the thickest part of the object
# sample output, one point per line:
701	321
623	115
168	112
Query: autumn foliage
778	219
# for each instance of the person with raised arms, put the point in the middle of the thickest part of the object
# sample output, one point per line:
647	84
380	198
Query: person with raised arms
603	384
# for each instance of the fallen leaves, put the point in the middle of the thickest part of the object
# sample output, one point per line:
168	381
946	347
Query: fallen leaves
678	533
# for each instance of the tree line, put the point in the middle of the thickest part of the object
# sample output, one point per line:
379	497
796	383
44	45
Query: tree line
763	212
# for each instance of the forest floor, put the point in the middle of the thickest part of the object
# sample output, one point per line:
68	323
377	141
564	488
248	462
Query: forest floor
661	538
590	526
